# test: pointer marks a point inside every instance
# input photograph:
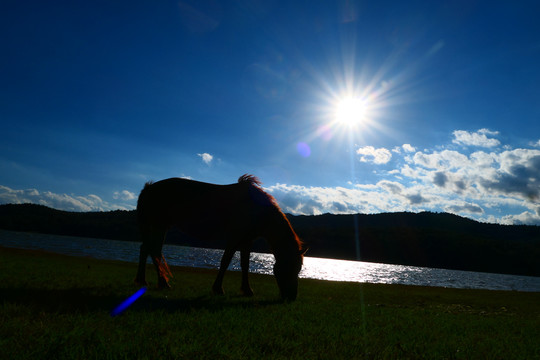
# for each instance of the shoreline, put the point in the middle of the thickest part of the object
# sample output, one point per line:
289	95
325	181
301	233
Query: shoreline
30	233
197	270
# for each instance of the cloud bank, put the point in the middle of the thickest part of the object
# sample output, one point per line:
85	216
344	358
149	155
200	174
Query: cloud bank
67	202
496	185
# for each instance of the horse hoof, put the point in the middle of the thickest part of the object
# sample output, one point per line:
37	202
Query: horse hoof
163	285
140	282
247	292
218	290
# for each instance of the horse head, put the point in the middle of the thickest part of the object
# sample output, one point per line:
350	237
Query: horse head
286	271
277	230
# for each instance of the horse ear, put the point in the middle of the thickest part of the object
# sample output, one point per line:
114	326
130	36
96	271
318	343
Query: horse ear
303	251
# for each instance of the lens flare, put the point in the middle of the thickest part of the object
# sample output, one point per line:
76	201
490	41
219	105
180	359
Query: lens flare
128	302
303	149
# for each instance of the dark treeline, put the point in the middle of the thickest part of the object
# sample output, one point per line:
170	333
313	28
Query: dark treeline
115	225
425	239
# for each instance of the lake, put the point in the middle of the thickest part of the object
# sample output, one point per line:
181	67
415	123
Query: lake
314	268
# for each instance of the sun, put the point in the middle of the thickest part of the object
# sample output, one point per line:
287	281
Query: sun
351	111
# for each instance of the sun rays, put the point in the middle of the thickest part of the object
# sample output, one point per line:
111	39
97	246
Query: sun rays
355	102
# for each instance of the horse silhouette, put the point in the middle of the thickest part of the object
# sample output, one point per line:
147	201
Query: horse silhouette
238	213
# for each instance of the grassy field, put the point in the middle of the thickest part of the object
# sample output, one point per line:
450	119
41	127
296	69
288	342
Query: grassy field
58	307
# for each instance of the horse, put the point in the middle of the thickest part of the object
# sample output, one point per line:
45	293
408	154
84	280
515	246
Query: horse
238	213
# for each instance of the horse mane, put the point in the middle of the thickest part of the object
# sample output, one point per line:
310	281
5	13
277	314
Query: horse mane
257	193
263	198
251	179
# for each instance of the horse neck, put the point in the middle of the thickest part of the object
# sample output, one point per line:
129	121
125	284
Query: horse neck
282	238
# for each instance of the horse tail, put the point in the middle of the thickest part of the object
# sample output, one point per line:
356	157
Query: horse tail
164	270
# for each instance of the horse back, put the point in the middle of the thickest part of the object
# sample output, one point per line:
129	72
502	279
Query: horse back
192	206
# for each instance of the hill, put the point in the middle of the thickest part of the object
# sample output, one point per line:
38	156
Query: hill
425	239
438	240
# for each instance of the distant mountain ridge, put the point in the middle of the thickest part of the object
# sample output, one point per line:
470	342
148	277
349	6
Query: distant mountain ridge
425	239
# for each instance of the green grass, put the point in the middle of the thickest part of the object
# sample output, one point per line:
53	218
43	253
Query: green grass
57	307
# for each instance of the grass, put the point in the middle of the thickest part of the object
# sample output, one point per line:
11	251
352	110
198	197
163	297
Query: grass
57	307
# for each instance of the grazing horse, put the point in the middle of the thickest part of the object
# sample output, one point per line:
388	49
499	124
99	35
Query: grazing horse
238	212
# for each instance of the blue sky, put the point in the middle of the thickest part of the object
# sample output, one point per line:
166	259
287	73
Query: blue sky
97	98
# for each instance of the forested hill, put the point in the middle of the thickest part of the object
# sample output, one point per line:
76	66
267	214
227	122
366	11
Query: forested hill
425	239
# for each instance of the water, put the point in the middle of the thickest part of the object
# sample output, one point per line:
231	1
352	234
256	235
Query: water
314	268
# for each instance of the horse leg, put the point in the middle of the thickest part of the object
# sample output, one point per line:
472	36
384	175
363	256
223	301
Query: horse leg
140	279
161	266
162	269
244	263
217	288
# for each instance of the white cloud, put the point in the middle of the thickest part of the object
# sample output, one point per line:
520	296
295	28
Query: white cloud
9	196
376	156
446	159
535	144
391	186
467	208
524	218
124	195
517	174
416	199
478	138
408	148
65	202
206	158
